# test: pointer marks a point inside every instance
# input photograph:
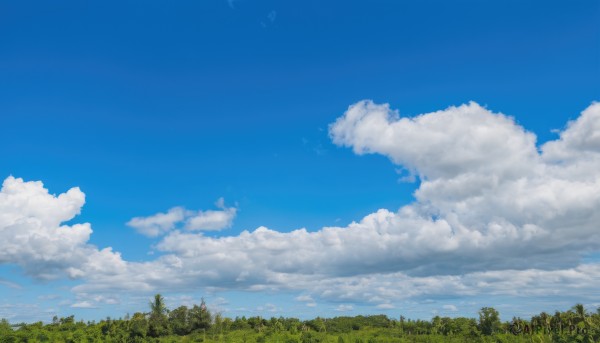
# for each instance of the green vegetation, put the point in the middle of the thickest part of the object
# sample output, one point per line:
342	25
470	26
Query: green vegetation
199	325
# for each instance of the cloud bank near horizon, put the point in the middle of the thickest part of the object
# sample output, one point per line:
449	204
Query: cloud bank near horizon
493	214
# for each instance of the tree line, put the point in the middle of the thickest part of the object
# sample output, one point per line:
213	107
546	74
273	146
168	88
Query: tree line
198	324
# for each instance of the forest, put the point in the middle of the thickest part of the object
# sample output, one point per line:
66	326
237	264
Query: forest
198	324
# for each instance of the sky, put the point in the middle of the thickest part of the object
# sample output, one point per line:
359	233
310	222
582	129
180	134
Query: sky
299	158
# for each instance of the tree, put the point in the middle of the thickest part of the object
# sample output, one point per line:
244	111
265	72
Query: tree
464	326
6	332
138	326
489	320
179	321
402	320
316	324
436	324
157	307
579	313
158	324
240	323
200	318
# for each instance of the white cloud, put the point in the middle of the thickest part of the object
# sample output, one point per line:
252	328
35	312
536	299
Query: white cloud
218	305
159	223
9	284
212	220
49	297
493	215
32	237
268	307
18	312
580	141
459	140
162	223
344	308
83	304
494	199
450	308
305	298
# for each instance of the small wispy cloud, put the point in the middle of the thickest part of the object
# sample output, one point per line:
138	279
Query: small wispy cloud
304	298
271	16
450	308
83	304
9	284
344	308
268	308
49	297
161	223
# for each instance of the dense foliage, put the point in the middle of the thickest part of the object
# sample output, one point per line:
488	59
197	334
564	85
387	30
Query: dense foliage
197	324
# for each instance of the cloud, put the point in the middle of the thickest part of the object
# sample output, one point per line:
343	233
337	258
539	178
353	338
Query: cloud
344	308
49	297
271	16
493	214
162	223
18	312
218	305
212	220
9	284
268	307
305	298
83	304
32	237
487	197
159	223
580	141
444	144
450	308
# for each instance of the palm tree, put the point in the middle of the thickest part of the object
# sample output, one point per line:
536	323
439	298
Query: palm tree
158	322
157	307
545	321
557	321
536	322
579	312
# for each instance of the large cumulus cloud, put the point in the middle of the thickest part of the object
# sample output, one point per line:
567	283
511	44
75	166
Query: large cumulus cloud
31	234
482	174
492	210
488	200
494	213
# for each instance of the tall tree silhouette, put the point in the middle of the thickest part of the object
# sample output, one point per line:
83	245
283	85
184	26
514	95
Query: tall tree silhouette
200	317
158	322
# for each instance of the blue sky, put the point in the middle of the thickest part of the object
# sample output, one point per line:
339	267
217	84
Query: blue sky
150	106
